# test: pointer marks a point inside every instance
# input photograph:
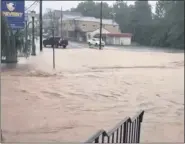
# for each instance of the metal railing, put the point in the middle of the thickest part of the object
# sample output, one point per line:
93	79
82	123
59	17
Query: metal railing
127	131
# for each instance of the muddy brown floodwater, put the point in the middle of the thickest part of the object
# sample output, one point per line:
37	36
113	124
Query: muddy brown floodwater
91	90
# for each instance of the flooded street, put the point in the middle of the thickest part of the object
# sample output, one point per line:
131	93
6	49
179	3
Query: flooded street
91	90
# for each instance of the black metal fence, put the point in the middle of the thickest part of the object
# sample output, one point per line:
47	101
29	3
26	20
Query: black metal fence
127	131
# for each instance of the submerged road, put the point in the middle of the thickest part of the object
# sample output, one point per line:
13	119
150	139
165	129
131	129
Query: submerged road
91	90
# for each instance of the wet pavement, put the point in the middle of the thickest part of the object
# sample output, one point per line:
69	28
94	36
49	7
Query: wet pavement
92	89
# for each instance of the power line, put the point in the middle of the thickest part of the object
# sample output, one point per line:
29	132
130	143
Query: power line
36	5
31	5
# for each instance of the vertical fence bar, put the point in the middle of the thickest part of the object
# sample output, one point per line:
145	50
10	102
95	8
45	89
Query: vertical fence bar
130	131
139	127
133	131
125	132
136	133
108	139
103	137
113	138
97	140
140	120
121	130
117	134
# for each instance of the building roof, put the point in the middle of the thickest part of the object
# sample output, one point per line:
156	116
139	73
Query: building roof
66	14
69	17
71	13
93	19
116	34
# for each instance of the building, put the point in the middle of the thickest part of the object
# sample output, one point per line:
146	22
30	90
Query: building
67	16
84	28
57	17
116	38
74	26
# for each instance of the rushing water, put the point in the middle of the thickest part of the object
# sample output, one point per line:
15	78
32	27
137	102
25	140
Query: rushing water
91	90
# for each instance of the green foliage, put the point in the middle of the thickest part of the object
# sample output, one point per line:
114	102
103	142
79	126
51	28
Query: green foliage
12	42
91	8
164	28
4	36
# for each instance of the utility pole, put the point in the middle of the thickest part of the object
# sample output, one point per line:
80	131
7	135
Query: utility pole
26	31
61	22
53	32
40	17
53	45
26	34
33	34
100	25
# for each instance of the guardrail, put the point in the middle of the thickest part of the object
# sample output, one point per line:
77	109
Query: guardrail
127	131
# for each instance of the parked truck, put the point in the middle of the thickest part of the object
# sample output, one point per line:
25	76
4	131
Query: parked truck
56	41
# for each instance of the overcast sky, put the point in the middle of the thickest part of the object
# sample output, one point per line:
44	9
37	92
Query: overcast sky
68	4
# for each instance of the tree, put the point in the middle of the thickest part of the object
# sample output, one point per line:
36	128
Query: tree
8	43
141	21
11	42
164	28
122	15
169	24
92	9
52	22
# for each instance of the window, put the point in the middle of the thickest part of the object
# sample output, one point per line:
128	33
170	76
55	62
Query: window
94	25
83	25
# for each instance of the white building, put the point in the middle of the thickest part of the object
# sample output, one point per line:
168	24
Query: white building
111	38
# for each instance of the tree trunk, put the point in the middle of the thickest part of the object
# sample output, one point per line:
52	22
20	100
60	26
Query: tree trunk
8	50
11	58
11	55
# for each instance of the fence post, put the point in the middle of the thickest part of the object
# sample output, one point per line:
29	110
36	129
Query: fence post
139	127
97	140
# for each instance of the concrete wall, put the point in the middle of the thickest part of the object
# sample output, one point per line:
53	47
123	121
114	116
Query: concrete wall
125	41
118	40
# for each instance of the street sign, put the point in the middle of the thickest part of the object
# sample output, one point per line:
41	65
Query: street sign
13	11
17	25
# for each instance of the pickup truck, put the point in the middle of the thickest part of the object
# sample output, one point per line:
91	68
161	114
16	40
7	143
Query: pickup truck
95	42
57	41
